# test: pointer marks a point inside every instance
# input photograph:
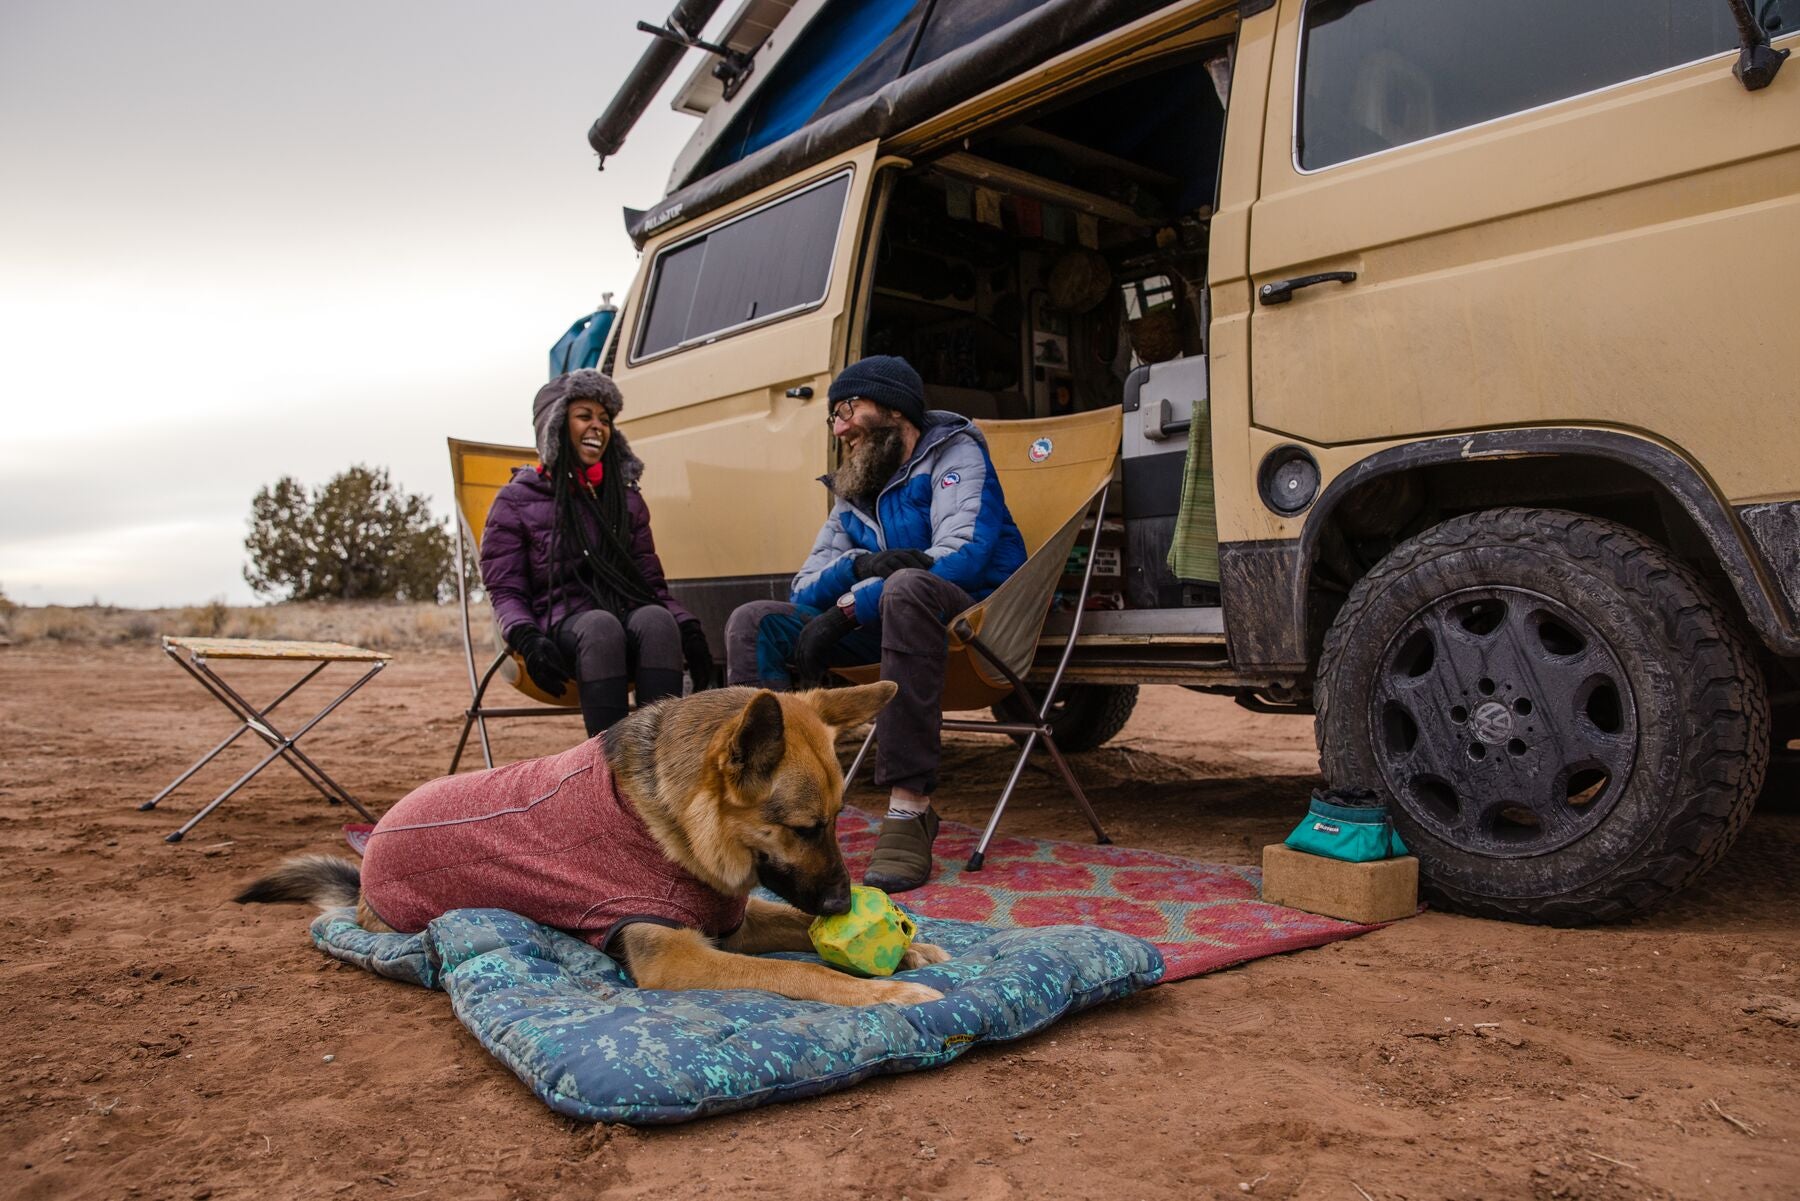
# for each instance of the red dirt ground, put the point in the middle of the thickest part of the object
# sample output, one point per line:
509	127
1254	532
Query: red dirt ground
164	1042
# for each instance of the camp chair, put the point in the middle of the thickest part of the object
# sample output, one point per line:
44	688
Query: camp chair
1055	471
478	470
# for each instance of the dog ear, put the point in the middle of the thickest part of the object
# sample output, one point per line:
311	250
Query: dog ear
841	708
758	739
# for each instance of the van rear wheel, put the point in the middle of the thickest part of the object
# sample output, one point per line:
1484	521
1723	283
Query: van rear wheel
1084	717
1570	726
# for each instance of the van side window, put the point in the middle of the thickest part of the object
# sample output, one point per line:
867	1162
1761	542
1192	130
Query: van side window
1375	74
765	264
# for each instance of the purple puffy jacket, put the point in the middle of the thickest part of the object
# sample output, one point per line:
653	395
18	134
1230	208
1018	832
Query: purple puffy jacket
515	557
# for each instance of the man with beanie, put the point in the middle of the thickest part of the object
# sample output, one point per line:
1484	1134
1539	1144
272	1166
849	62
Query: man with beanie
918	532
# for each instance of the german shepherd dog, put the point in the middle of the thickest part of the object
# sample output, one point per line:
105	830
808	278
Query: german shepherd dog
739	787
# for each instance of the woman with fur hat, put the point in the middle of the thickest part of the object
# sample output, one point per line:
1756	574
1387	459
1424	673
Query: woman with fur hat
571	568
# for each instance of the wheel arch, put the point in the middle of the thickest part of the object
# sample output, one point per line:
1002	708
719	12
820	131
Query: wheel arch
1656	470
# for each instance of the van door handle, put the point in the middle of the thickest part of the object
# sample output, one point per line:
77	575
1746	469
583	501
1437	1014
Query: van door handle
802	392
1282	291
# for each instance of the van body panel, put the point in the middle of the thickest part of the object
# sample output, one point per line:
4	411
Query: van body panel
1624	258
735	458
1240	517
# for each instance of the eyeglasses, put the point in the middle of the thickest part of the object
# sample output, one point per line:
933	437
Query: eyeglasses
841	411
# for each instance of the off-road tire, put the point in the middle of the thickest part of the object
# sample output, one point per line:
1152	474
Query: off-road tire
1084	717
1694	705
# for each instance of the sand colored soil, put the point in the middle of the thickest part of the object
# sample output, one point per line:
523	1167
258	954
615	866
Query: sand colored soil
163	1042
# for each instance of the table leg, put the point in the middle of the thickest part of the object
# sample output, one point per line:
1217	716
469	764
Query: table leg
247	715
198	764
268	732
283	746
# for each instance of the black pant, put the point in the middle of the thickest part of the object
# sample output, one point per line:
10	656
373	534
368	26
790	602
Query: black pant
608	654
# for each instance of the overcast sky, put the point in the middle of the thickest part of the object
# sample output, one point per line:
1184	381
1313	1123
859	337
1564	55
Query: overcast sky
242	239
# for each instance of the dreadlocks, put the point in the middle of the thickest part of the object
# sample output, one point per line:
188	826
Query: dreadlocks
593	523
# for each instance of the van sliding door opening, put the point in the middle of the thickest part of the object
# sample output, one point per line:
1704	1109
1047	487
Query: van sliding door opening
1044	268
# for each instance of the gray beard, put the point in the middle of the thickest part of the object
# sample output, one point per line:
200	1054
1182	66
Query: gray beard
859	478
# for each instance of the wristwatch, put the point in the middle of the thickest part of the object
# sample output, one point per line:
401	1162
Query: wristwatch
847	606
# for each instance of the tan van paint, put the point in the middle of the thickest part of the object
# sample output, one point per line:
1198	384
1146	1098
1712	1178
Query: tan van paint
736	452
1525	282
1528	280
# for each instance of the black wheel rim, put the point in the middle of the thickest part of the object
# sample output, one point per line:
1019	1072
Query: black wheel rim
1503	722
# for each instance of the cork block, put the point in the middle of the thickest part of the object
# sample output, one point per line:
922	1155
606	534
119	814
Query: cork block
1382	891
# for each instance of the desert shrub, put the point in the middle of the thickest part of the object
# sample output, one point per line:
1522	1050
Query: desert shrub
356	537
252	623
204	621
56	623
378	625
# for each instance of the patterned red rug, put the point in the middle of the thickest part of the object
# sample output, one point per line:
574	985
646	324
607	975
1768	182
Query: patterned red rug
1201	916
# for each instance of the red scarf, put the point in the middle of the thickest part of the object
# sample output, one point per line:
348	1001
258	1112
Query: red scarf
591	476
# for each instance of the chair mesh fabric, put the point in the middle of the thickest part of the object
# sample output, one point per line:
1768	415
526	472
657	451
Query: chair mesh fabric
478	470
1011	619
1050	470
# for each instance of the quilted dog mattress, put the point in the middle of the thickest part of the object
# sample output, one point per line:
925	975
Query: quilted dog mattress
569	1022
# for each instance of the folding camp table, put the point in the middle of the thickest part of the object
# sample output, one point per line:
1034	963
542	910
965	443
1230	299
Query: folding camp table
193	654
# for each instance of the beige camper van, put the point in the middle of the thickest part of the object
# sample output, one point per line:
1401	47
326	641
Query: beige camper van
1458	343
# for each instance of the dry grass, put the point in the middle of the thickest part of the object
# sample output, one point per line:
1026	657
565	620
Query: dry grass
376	625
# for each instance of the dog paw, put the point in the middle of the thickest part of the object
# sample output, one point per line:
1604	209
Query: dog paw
899	992
922	954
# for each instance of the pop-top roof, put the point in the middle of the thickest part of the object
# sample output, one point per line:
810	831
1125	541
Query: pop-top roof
859	70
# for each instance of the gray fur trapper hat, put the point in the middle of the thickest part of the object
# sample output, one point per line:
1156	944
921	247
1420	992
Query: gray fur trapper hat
550	414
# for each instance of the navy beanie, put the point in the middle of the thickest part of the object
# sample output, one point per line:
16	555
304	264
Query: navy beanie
886	379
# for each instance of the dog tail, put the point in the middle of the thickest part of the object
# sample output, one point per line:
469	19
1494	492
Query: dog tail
322	880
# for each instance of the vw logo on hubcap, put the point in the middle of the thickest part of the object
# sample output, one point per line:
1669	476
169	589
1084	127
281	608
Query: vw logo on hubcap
1493	723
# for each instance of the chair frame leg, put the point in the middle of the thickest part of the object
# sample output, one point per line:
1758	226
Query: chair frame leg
861	754
476	716
1087	809
979	856
1040	728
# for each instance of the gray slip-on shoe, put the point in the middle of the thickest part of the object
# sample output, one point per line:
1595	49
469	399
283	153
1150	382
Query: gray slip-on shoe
902	858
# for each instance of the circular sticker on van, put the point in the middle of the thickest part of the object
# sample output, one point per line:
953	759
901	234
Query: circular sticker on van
1040	450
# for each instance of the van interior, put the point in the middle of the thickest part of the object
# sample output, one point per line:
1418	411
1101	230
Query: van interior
1031	269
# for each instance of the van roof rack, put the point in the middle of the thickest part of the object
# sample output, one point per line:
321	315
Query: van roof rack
676	36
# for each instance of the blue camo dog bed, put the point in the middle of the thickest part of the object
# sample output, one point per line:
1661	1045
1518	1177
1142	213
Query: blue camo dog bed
569	1023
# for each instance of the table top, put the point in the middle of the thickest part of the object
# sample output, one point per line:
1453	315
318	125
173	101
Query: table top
273	648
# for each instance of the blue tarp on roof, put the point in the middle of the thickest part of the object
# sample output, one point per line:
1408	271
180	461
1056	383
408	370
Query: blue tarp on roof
834	45
850	50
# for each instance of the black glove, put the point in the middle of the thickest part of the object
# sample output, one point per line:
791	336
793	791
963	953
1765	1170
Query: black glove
812	649
885	563
543	662
697	652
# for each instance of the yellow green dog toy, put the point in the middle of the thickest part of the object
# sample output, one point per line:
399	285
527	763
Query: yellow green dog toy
869	940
